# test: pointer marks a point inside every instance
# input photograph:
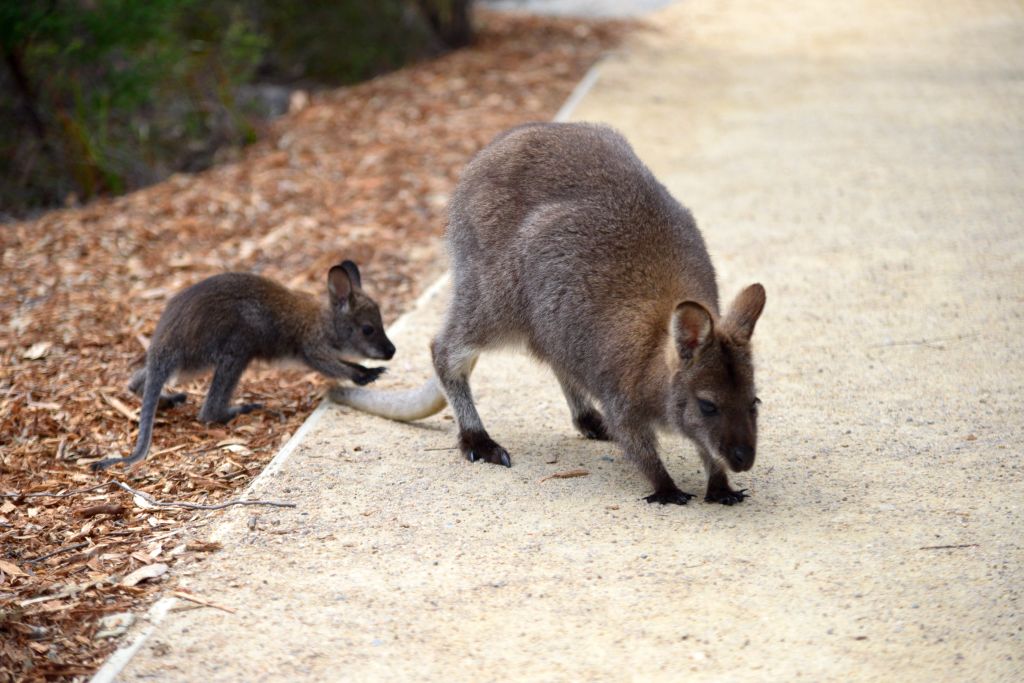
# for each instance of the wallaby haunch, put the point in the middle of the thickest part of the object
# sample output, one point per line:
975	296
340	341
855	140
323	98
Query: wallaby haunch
561	240
229	320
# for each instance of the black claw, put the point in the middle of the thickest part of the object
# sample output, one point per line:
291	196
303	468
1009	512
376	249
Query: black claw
476	445
673	496
727	497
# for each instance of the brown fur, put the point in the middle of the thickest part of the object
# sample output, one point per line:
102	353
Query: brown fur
227	321
563	241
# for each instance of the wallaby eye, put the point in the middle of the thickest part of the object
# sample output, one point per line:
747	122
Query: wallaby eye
707	408
368	330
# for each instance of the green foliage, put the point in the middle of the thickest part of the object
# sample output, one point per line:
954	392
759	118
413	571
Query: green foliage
100	96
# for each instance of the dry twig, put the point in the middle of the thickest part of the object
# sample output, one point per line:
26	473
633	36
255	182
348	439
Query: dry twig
568	474
201	601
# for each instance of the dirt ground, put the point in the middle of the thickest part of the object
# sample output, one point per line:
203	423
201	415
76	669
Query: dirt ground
360	173
865	166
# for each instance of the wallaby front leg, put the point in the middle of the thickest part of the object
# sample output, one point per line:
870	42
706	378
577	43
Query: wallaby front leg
343	369
453	369
641	446
719	490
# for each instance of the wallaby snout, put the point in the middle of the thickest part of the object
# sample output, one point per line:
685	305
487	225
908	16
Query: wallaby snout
385	350
740	458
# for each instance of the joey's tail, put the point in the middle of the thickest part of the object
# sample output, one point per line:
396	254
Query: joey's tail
156	375
404	405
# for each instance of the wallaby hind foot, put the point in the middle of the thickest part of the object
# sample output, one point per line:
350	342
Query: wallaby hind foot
673	496
230	413
591	426
479	446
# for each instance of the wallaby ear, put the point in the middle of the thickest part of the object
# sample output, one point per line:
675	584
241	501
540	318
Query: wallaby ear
692	327
339	284
743	314
353	273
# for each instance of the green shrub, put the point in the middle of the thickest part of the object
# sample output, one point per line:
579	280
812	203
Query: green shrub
102	96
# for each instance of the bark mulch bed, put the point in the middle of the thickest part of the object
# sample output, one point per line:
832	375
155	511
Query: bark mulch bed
361	173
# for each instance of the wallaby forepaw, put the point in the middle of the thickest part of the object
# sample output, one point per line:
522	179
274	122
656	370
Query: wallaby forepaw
368	375
726	496
591	426
673	496
478	446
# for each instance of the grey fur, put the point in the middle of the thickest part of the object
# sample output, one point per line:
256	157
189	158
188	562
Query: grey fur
562	241
229	320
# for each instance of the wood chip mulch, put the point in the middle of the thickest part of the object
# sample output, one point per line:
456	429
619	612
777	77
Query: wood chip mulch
361	173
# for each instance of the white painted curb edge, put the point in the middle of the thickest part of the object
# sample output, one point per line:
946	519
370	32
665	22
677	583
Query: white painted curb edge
117	661
579	92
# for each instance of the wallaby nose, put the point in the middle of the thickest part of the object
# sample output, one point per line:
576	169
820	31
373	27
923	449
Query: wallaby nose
388	350
742	457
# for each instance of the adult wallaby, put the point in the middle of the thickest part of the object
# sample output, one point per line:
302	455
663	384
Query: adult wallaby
229	320
563	241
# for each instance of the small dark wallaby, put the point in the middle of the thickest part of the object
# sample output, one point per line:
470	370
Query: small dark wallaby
561	240
229	320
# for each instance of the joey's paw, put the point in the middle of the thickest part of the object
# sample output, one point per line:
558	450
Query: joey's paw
367	375
726	496
591	426
673	496
478	446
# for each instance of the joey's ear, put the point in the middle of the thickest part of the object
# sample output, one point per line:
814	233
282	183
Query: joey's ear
743	314
691	327
339	284
353	273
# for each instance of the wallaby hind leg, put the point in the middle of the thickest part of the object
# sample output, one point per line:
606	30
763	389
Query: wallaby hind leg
719	490
453	363
138	387
225	378
584	415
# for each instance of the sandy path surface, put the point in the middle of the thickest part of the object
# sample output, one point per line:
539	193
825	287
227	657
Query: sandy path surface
866	165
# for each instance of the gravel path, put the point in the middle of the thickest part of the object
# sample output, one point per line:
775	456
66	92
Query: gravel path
866	166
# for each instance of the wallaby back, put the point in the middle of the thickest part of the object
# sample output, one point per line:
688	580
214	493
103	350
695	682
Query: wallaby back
562	240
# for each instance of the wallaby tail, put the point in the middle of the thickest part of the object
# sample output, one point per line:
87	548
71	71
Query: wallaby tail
156	375
404	405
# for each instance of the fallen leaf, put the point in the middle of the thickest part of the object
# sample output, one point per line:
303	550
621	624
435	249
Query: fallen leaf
114	625
120	407
150	571
141	502
10	569
37	350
